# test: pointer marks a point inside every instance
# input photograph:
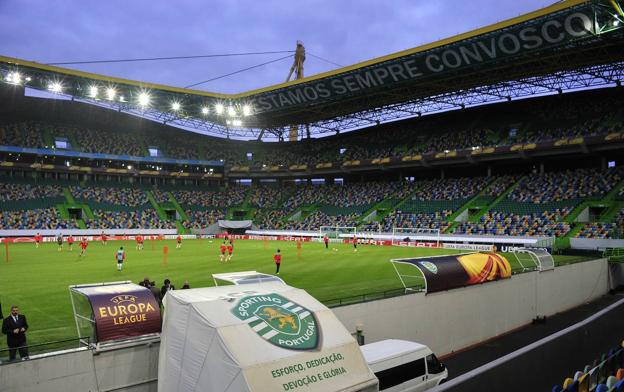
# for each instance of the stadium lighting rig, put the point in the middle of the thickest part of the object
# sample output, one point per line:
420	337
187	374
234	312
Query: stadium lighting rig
579	46
111	93
93	92
144	99
55	87
14	78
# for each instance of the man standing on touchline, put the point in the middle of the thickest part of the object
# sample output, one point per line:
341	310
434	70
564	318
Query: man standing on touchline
15	327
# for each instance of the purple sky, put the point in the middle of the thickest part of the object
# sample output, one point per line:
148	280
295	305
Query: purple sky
344	32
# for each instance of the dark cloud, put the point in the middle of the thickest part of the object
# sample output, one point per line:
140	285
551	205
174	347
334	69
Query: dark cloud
345	32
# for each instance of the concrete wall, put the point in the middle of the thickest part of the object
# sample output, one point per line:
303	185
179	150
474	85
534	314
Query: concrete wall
132	369
595	243
452	320
446	321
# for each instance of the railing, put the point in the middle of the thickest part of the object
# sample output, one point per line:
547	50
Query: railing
367	297
614	254
44	348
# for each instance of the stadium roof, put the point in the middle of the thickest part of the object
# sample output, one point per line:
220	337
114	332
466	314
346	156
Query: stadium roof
569	45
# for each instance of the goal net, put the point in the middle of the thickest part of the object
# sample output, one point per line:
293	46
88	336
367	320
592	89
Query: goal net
337	232
412	234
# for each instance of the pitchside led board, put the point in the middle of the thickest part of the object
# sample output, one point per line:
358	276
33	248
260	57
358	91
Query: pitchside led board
119	310
257	337
452	271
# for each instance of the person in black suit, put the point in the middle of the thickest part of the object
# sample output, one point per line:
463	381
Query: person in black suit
167	286
15	327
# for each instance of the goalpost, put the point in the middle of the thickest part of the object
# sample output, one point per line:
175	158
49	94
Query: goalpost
411	234
337	232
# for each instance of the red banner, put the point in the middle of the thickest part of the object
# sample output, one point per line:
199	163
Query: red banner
125	313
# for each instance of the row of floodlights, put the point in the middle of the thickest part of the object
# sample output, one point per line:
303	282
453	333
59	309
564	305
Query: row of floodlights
143	99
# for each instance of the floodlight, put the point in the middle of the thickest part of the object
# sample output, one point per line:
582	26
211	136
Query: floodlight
129	167
175	106
28	79
14	77
93	91
122	99
204	110
237	123
110	93
246	110
55	87
228	122
231	111
219	108
144	99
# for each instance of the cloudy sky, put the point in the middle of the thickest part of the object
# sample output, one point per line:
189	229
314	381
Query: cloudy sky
343	32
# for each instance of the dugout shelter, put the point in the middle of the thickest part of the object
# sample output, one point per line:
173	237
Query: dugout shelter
262	337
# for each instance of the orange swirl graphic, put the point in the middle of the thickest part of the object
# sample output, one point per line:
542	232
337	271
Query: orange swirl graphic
484	267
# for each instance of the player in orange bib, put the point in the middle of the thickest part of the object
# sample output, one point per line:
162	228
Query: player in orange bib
299	248
70	242
223	249
230	250
178	242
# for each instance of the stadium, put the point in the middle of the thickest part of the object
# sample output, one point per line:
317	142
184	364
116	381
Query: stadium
466	194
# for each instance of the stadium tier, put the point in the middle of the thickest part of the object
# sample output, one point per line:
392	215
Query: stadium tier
35	219
552	122
533	205
604	374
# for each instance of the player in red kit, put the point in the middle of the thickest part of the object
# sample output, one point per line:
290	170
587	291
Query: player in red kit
178	242
38	239
223	249
70	242
230	250
278	261
104	238
326	241
83	247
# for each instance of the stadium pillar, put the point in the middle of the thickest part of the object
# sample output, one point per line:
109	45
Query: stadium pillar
489	171
603	164
442	174
541	169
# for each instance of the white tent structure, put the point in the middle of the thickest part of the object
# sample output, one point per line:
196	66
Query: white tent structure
257	337
245	277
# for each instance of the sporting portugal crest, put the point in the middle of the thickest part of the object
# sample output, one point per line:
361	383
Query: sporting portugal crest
279	321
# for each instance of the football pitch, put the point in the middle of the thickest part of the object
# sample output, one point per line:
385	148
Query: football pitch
37	280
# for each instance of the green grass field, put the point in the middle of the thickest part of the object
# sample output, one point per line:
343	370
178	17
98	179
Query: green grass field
37	280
